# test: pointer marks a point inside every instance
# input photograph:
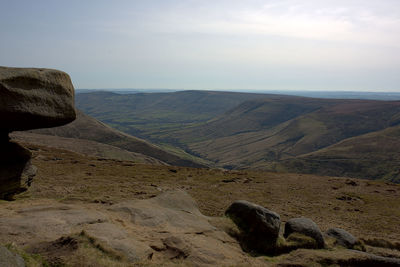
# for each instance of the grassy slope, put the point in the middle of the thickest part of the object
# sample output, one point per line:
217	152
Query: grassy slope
373	156
252	134
365	208
85	127
155	115
303	134
83	146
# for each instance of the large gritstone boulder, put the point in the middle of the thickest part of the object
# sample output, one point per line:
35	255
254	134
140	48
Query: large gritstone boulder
35	98
29	99
306	227
259	226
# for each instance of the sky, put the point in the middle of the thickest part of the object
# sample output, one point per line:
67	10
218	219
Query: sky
343	45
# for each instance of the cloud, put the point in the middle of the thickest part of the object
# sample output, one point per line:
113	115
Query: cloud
346	21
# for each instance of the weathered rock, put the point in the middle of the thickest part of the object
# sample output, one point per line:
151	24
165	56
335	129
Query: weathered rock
29	99
173	211
35	98
45	223
343	238
14	166
260	226
306	227
179	230
118	239
158	229
9	259
342	257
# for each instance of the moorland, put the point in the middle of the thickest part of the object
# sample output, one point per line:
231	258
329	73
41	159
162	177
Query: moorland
340	137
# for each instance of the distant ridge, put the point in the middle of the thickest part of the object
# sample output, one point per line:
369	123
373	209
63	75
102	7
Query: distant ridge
387	96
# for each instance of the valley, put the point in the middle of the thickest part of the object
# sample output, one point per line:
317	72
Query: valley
260	131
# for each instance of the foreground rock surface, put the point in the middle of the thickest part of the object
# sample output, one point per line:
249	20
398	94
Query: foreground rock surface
259	225
159	229
306	227
35	98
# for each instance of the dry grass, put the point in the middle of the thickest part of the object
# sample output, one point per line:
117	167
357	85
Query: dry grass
364	208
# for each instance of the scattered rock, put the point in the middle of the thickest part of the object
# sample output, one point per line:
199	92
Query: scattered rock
345	198
10	259
306	227
343	238
260	226
351	182
229	180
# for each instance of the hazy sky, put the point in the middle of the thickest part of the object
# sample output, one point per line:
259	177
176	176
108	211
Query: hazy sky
202	44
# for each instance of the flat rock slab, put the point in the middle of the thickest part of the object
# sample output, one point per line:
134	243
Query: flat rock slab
10	259
45	223
35	98
340	257
154	230
173	211
119	240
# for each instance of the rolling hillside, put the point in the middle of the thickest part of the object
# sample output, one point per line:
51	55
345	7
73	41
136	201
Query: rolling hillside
374	155
247	137
154	115
273	132
87	128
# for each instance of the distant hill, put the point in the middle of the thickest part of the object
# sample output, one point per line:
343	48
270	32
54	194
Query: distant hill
152	115
279	128
234	131
374	155
87	128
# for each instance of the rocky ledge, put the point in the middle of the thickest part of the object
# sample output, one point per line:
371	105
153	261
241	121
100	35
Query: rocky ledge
29	99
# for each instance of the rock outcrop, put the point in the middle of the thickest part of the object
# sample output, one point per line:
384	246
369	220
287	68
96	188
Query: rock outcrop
306	227
259	226
29	99
156	230
35	98
343	238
